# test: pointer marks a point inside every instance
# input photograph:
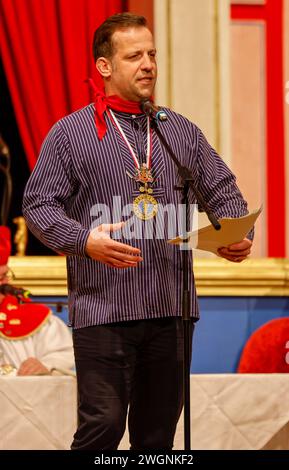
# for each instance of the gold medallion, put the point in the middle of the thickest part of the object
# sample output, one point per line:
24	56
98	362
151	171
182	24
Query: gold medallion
145	206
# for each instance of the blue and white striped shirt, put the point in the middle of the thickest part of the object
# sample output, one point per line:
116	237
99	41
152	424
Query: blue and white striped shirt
75	171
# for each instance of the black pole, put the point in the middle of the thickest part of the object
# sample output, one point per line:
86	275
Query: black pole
186	328
187	182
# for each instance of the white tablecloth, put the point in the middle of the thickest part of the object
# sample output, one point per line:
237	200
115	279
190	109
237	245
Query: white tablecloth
37	412
228	411
237	411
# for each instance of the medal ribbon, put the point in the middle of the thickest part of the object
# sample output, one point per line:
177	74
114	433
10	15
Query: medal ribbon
149	141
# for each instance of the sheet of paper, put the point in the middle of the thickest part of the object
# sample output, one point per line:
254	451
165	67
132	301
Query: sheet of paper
232	231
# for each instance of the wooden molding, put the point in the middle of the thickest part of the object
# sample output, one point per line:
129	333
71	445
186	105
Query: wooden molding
253	277
41	275
214	277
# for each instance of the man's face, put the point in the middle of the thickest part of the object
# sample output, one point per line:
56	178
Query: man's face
3	278
132	71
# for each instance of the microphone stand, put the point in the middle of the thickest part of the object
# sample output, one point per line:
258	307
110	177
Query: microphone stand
187	182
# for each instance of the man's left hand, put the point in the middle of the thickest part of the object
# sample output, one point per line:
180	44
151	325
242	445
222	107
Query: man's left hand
236	252
32	366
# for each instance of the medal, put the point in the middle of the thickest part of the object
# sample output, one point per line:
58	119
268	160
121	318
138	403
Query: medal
145	206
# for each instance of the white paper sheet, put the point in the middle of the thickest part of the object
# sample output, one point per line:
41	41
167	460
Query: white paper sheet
232	231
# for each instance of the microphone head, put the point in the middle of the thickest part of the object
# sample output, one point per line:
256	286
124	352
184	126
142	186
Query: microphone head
146	106
150	109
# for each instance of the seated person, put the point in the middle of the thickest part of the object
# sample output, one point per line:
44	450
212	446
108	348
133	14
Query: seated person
32	340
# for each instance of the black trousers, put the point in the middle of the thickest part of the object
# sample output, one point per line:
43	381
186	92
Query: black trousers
135	363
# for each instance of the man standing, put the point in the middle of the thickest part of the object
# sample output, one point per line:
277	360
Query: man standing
124	296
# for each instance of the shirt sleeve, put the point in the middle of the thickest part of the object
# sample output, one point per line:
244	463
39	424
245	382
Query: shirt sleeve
46	195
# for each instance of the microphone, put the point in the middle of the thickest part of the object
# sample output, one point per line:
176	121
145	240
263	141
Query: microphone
155	112
7	289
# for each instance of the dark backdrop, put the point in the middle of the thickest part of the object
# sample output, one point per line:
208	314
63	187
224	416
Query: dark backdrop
19	167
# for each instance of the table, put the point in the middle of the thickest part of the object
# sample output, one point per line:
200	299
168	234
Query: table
236	411
37	413
228	411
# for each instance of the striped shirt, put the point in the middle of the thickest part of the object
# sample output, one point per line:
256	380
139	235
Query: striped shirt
76	171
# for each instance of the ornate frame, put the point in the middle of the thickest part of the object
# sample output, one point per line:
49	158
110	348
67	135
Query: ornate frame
46	275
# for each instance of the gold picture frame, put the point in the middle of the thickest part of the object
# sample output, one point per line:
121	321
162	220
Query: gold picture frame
46	275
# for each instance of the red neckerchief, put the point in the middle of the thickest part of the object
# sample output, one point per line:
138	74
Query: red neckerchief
102	102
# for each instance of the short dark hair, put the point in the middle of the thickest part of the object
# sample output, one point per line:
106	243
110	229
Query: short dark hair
102	45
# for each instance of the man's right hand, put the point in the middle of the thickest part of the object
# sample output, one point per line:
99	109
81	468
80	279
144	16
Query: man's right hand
102	248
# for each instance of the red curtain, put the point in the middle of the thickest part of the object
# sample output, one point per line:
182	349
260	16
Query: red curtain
46	48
